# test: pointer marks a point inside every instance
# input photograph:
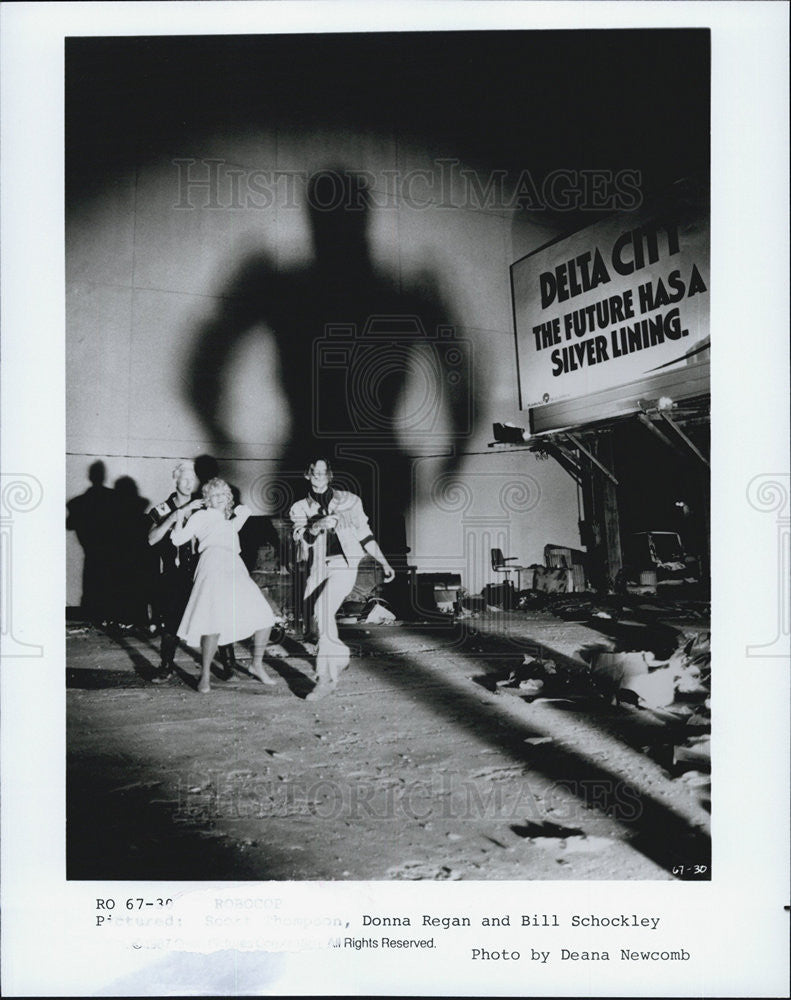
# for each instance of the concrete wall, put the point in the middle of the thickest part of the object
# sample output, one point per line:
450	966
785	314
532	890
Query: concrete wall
149	261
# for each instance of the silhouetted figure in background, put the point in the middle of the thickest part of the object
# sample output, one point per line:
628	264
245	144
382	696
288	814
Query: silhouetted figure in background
348	338
135	565
92	516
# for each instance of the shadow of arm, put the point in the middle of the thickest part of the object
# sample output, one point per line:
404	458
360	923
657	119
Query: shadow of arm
239	308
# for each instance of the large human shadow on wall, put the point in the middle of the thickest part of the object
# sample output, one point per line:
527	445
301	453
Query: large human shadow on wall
371	372
118	569
90	517
137	564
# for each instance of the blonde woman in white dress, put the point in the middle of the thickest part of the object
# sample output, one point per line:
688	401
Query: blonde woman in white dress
225	605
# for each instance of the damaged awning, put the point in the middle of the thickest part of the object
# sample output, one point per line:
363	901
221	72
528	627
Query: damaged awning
687	387
664	418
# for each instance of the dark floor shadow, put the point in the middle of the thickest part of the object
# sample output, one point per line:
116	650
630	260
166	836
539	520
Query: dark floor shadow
295	649
272	665
223	672
637	728
572	690
143	672
92	679
147	670
142	635
142	666
299	684
546	829
652	827
188	679
627	636
153	644
121	830
632	624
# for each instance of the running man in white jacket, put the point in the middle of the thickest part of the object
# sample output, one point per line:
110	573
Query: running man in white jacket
333	533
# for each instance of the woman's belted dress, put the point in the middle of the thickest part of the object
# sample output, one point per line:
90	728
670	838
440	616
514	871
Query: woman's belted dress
225	601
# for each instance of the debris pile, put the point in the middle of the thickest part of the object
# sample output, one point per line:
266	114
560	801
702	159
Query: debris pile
585	606
377	612
579	607
542	677
672	694
374	611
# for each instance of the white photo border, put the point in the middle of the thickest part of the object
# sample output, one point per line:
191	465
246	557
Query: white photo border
736	922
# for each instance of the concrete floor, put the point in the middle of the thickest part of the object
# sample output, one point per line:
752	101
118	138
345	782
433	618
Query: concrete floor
418	767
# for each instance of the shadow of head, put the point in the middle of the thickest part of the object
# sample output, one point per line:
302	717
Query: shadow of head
97	473
126	488
206	467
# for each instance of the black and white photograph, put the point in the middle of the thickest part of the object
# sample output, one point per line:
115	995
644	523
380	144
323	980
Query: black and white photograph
387	415
390	521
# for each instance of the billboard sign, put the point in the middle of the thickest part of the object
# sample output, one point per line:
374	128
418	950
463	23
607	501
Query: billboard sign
622	299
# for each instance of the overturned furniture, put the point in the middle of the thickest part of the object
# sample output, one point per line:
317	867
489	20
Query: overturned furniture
563	572
657	558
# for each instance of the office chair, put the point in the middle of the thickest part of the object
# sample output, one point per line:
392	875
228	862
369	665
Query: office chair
500	565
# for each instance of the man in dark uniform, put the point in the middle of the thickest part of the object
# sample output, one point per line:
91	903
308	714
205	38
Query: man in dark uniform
178	564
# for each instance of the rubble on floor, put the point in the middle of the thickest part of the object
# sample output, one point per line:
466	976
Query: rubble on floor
673	694
455	749
581	607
